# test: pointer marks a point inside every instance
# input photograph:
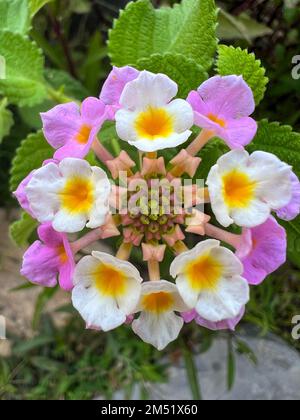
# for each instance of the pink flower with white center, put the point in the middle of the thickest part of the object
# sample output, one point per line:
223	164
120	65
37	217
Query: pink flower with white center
292	209
72	129
262	250
49	260
223	105
228	324
114	85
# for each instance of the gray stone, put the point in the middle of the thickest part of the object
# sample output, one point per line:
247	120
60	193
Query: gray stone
275	377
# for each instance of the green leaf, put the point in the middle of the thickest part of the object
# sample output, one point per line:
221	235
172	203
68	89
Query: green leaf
24	83
29	156
61	80
209	155
293	240
279	140
21	230
6	119
240	27
43	298
237	61
188	28
231	365
14	16
36	5
184	71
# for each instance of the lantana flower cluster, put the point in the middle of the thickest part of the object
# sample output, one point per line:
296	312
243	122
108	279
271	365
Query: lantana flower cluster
68	196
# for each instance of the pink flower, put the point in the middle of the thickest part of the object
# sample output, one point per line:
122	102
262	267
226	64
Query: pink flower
114	86
73	129
49	259
21	195
292	210
223	105
262	250
20	192
229	324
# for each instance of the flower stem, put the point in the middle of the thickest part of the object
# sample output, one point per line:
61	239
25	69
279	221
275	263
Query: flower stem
124	251
194	148
191	371
154	270
180	247
86	240
220	234
151	155
101	152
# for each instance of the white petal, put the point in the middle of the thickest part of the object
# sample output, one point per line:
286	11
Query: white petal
158	330
183	115
42	192
129	302
225	303
96	310
189	296
67	222
71	167
148	90
127	268
254	215
236	159
174	140
215	186
125	125
231	265
85	270
179	263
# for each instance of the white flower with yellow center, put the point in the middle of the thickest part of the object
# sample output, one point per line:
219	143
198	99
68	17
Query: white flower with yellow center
158	324
106	290
69	194
244	188
148	119
209	280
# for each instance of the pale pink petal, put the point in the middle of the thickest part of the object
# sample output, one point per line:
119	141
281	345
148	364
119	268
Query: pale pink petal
21	195
292	210
229	96
61	124
115	83
268	252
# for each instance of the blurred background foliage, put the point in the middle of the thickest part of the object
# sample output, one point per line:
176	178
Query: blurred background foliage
68	362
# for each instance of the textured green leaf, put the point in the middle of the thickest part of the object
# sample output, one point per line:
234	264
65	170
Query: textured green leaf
293	234
14	16
36	5
237	61
184	71
21	230
24	82
188	28
29	156
279	140
6	119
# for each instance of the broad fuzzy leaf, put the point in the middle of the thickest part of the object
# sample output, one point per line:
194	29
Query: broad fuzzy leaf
14	16
34	150
36	5
21	230
293	234
24	83
184	71
189	28
6	119
279	140
237	61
